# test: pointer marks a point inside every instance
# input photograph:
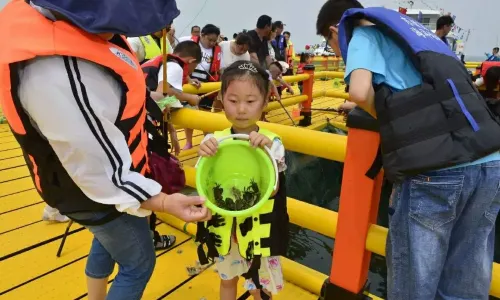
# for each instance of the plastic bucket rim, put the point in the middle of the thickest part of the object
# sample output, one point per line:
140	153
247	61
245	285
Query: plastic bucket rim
265	196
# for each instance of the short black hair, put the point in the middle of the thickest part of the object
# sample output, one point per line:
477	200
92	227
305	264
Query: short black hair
188	48
496	49
331	13
278	65
243	38
444	21
210	29
195	26
235	35
264	21
279	24
287	32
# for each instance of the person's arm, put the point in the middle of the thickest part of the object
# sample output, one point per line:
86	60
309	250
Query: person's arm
278	153
252	50
137	47
75	109
174	79
362	69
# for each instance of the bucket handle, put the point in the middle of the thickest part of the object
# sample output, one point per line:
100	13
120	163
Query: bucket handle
247	137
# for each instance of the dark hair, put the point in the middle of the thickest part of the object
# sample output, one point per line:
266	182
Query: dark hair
277	65
264	21
240	70
235	35
496	49
444	21
273	28
304	56
331	13
491	79
243	38
195	26
287	32
278	24
210	29
188	48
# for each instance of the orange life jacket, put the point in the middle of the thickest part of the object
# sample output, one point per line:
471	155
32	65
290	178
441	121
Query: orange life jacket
151	68
488	64
58	38
215	63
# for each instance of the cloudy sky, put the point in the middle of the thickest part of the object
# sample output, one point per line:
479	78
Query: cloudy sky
300	17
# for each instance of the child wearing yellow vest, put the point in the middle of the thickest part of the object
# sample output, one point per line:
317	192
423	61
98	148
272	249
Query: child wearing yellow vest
245	93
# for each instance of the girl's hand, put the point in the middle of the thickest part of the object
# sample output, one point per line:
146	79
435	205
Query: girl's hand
208	148
259	140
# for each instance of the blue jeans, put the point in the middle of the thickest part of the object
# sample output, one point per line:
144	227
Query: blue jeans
441	234
126	240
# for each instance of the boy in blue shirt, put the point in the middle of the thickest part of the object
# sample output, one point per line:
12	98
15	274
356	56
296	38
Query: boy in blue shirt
441	228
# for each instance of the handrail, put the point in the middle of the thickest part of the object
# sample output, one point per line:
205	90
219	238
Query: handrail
316	143
207	87
325	222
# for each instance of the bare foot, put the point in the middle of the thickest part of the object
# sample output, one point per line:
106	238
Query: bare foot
187	146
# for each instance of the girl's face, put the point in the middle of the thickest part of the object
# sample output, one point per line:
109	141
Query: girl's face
243	105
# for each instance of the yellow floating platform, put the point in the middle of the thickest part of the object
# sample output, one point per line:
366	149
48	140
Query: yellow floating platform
29	268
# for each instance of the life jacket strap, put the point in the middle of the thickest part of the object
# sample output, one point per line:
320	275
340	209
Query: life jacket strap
376	165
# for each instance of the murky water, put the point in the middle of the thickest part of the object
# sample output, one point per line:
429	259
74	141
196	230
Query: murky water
318	181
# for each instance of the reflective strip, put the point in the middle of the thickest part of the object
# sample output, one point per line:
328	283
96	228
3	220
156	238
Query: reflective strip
467	114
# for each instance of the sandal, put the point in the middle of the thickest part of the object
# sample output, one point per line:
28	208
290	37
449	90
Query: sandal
164	242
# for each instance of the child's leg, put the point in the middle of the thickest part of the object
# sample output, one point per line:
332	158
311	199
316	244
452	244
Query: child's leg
229	288
257	294
189	139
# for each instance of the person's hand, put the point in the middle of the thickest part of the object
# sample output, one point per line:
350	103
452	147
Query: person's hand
208	148
187	208
195	82
346	106
290	90
259	140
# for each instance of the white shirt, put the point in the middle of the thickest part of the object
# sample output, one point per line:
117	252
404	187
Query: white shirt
228	57
175	75
203	68
45	92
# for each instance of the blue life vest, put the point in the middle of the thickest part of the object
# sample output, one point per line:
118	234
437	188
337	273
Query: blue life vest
441	123
280	43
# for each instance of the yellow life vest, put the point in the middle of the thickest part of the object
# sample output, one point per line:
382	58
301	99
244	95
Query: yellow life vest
151	48
253	232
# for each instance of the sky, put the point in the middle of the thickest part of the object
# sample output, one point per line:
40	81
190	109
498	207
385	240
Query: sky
300	17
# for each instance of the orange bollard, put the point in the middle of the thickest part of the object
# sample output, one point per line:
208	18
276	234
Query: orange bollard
359	200
307	89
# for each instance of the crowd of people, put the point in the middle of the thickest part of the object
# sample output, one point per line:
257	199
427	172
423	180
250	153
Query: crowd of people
97	144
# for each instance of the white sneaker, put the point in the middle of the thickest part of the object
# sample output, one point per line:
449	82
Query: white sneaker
51	214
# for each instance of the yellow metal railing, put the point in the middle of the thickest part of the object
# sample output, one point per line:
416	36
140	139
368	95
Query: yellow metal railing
318	219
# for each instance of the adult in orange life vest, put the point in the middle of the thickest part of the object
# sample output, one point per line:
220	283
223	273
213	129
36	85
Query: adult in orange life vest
74	96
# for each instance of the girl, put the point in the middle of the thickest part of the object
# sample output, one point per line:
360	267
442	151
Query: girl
245	93
305	59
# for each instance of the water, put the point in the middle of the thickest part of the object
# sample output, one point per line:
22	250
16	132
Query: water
318	182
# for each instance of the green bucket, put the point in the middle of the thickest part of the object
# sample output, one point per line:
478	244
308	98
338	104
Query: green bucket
238	179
